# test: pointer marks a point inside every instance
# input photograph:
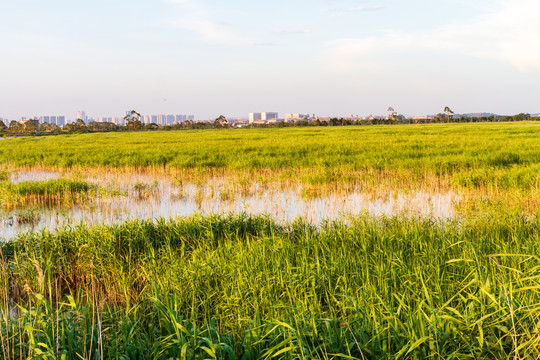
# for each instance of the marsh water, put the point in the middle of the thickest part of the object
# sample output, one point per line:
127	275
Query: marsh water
141	196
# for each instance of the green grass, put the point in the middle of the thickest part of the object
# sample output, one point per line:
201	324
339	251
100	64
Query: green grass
239	287
4	176
32	192
244	287
48	187
502	155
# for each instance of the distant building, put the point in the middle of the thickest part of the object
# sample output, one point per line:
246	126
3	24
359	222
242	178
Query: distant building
61	121
53	120
118	120
30	123
254	117
293	117
423	117
82	115
269	115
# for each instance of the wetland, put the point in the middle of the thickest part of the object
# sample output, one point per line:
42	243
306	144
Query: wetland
409	241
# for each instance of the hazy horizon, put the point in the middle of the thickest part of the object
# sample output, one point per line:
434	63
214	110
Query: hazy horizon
328	57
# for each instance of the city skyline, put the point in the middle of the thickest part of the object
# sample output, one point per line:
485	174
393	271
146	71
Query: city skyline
61	120
257	118
324	56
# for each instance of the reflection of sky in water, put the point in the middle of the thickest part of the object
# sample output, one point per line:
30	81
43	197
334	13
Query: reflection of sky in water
19	176
166	200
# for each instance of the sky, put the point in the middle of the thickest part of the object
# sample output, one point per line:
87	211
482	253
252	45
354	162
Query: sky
323	57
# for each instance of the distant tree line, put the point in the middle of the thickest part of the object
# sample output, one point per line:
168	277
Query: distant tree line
399	119
133	123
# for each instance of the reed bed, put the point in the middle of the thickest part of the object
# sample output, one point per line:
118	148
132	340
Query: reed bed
248	287
486	155
62	191
244	287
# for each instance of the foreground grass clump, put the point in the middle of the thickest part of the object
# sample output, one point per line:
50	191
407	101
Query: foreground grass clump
239	287
43	192
5	176
487	155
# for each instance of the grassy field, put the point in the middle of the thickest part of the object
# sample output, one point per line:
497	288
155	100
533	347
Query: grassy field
246	287
492	155
242	287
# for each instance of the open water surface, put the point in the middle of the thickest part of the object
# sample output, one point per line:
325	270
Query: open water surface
141	196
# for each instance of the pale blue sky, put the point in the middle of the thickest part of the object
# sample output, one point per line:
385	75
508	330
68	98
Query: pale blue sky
209	57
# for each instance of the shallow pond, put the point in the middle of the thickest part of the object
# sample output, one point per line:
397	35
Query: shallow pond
139	196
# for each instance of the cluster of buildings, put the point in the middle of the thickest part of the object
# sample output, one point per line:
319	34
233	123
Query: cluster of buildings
61	121
297	117
57	120
273	117
262	116
166	119
256	118
52	119
161	120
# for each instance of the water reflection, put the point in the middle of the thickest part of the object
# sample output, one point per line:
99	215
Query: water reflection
20	176
139	196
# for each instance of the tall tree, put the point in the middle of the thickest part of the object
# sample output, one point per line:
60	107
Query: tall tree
14	126
220	122
393	114
133	120
80	125
449	113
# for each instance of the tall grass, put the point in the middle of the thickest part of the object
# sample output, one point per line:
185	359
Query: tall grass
501	155
235	287
5	176
43	192
245	287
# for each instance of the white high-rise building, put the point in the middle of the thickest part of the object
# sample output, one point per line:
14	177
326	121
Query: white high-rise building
162	120
269	115
254	117
61	121
296	116
82	115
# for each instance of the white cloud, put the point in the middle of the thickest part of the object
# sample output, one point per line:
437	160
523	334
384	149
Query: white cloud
355	9
349	7
291	31
509	34
214	32
196	18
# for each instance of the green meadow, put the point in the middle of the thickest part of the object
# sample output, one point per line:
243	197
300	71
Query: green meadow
502	155
239	286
